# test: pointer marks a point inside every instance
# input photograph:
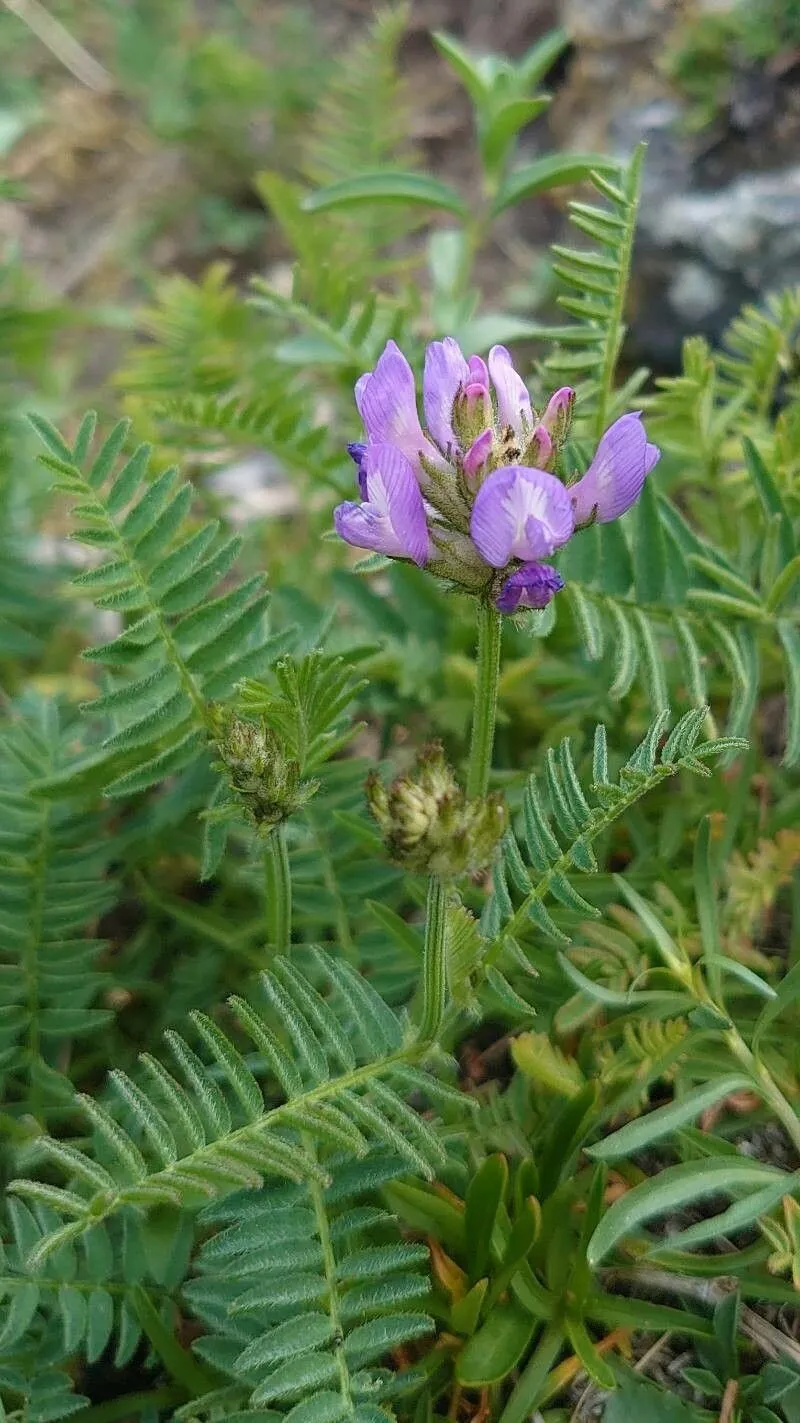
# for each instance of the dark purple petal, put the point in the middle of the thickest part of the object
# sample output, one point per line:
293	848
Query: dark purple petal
478	453
356	452
445	372
532	586
614	479
387	403
513	400
520	513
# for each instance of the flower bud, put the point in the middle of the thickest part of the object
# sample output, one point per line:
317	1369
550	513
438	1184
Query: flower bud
539	453
265	780
472	407
476	457
557	418
427	822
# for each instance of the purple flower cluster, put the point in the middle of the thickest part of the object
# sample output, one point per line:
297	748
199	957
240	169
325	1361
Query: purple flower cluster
474	496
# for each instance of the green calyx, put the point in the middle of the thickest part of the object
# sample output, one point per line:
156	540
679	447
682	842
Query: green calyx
428	823
266	781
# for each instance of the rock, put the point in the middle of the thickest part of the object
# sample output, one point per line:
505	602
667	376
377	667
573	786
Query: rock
719	222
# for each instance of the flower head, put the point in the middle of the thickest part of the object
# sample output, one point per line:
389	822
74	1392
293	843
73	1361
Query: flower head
264	779
428	823
472	490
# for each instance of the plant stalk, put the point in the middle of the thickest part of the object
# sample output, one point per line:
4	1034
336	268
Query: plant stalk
485	704
434	963
278	889
766	1086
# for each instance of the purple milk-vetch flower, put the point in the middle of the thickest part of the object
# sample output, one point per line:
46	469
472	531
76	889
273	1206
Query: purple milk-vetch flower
613	482
387	403
533	585
471	489
391	520
520	513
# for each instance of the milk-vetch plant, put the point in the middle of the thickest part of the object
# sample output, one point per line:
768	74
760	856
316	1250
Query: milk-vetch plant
385	977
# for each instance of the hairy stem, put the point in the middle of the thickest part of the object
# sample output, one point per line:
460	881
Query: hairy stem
485	704
766	1086
278	884
434	963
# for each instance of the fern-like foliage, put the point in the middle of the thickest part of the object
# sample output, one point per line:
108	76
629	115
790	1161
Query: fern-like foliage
306	1289
363	118
667	604
341	325
276	420
194	336
561	820
189	638
73	1305
333	1066
724	393
588	348
54	885
305	705
671	608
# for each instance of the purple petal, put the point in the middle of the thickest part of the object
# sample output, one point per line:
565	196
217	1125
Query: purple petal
392	487
365	527
387	403
360	386
513	400
540	449
614	479
478	453
478	371
520	513
559	409
532	586
445	372
392	518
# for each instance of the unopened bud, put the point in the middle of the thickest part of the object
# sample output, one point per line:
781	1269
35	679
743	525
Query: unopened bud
557	418
472	407
477	455
539	453
428	824
265	780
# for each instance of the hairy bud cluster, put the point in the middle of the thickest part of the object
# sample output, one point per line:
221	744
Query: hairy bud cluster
266	781
429	825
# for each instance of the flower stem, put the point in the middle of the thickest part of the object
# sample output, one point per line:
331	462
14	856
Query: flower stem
434	962
766	1086
485	703
278	887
